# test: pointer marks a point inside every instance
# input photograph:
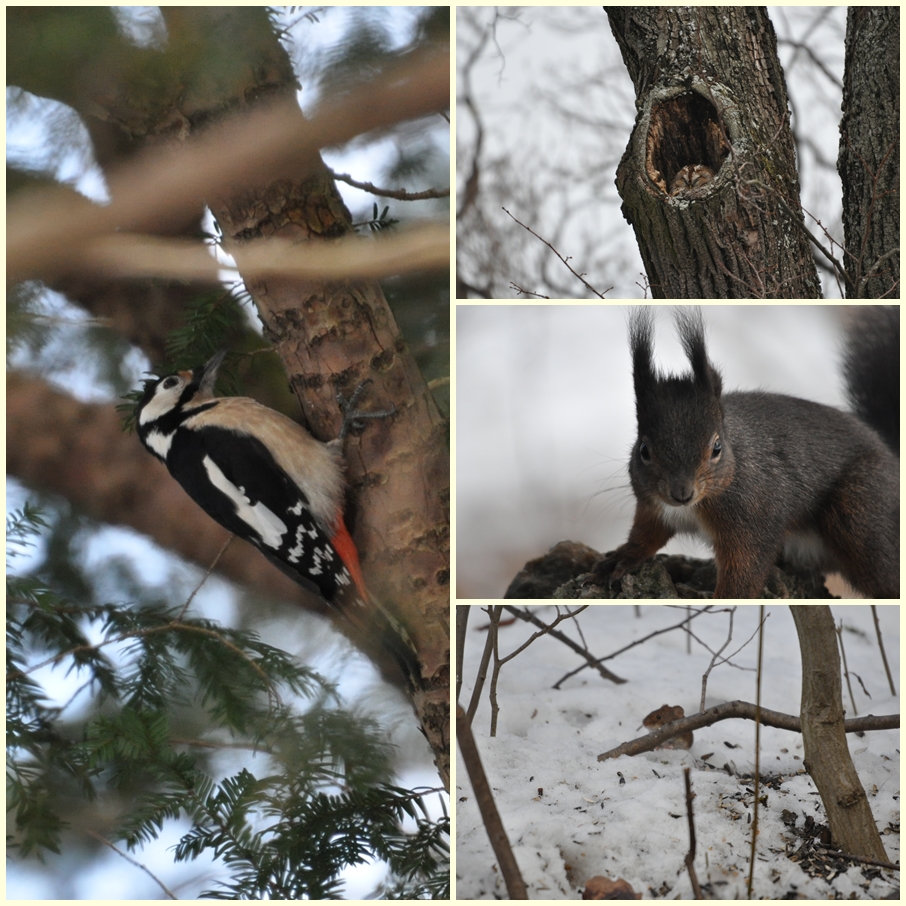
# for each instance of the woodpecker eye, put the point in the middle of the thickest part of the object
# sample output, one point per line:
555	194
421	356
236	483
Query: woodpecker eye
169	382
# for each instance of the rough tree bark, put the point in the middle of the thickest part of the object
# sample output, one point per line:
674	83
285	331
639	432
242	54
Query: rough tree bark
827	757
332	337
710	91
869	160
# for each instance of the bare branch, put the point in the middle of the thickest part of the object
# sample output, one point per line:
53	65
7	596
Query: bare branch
747	711
564	260
707	609
398	194
714	658
690	856
529	617
494	616
488	808
129	859
759	676
874	616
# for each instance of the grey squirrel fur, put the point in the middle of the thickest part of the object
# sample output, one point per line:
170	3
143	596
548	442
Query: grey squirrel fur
762	475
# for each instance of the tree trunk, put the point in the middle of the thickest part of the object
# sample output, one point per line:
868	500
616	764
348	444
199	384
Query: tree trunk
827	757
869	160
331	337
711	94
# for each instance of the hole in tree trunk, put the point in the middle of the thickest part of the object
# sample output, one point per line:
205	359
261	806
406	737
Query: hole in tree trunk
683	131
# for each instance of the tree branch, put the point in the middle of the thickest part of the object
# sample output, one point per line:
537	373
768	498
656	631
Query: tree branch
585	283
399	194
529	617
488	808
747	711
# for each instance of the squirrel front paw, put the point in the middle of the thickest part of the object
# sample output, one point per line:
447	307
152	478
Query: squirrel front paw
610	569
605	573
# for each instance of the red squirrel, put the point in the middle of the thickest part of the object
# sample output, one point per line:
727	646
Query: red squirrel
761	475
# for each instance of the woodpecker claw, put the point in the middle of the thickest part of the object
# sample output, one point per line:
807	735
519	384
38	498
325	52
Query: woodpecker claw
352	417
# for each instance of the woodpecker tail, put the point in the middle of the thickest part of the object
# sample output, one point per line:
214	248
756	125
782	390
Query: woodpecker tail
370	612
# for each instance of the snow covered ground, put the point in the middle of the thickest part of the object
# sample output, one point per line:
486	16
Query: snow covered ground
570	817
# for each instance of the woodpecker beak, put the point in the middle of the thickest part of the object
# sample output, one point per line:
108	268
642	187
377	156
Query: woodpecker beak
207	373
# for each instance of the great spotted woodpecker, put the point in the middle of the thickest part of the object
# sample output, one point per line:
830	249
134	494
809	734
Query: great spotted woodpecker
264	478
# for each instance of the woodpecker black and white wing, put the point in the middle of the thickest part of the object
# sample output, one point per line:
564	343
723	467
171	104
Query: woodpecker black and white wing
312	466
234	478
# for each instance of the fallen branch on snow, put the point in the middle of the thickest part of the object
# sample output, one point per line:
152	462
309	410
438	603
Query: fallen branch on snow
745	710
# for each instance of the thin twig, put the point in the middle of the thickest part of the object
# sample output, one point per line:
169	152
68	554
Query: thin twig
485	660
729	658
545	630
129	858
564	260
747	711
849	685
206	576
398	194
500	661
714	658
651	635
484	799
494	635
690	856
874	615
758	676
529	617
526	292
865	859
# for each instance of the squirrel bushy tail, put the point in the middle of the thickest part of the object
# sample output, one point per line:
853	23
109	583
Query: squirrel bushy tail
871	367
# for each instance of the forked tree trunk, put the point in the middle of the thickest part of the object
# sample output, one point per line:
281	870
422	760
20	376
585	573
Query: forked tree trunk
827	757
710	92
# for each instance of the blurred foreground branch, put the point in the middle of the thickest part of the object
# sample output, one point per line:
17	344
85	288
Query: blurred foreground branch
48	229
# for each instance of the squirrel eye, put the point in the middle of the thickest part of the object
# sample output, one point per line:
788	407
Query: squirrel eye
644	453
716	449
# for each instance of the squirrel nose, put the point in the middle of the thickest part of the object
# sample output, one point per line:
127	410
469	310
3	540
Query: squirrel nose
682	493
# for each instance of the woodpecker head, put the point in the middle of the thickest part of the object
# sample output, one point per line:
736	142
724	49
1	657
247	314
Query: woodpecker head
174	392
